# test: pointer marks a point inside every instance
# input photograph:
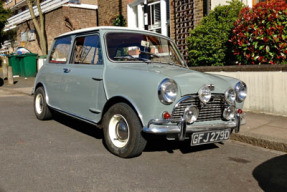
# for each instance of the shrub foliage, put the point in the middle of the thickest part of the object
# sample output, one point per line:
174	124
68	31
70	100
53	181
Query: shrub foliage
260	34
208	43
119	21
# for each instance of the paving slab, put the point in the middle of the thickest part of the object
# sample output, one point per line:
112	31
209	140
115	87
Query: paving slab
263	130
21	85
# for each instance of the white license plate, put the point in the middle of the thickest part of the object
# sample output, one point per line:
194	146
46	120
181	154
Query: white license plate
200	138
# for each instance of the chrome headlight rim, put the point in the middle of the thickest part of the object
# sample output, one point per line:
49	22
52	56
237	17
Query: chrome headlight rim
240	88
231	110
204	94
228	96
191	114
166	96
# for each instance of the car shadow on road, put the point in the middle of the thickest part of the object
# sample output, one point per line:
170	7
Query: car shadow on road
272	174
78	125
2	82
160	143
155	143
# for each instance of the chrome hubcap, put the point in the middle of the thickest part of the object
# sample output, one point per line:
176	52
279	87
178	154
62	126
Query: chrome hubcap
122	130
119	131
39	103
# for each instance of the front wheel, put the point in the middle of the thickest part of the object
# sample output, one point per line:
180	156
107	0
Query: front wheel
123	131
41	109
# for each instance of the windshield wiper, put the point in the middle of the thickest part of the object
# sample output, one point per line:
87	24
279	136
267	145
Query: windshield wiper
129	57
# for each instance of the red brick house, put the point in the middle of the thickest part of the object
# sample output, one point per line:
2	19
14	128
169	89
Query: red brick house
173	18
60	16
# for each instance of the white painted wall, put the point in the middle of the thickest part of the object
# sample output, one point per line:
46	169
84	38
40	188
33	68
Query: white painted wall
132	19
215	3
267	91
163	16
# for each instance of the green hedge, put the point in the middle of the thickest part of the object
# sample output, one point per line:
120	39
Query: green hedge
208	43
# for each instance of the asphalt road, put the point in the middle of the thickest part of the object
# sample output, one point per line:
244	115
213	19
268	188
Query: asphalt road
68	155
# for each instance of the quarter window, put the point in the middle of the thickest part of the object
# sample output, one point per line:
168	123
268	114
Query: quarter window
87	50
60	51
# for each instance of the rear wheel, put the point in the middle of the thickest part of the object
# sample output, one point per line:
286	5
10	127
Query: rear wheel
123	131
41	108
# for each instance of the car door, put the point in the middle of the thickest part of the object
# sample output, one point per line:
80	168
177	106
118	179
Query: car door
82	87
52	73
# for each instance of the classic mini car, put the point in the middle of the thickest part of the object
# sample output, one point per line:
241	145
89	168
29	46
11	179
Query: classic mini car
134	83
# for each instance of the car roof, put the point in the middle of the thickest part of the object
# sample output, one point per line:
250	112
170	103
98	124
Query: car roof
85	30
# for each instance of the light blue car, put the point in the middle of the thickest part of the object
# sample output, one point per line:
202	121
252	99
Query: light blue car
134	83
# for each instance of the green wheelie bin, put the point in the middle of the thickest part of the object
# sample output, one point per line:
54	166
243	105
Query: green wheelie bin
29	65
15	62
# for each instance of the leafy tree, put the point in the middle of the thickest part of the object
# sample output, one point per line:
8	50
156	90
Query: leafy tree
4	15
208	43
39	24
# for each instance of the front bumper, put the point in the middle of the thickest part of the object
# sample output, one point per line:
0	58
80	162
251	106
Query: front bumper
166	127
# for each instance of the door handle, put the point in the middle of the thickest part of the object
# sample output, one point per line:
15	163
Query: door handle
67	70
97	79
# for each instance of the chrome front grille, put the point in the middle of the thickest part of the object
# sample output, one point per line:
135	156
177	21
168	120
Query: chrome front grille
211	111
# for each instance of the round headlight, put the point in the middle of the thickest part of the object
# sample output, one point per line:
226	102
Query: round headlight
230	96
204	94
241	91
167	91
229	113
191	114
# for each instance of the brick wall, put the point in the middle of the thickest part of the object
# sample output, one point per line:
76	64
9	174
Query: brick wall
91	2
55	25
198	15
109	9
125	8
198	11
172	24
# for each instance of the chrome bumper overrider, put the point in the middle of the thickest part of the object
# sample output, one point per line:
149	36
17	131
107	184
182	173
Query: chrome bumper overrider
166	127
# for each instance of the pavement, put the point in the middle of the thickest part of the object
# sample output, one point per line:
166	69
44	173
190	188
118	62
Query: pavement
262	130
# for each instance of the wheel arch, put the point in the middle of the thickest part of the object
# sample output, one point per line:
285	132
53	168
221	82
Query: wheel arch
121	99
40	84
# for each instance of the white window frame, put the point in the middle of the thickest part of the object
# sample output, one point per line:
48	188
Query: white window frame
136	15
156	25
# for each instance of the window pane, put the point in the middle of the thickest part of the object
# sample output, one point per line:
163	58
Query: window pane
60	50
87	50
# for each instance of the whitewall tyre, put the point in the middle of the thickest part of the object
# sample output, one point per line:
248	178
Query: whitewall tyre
123	131
41	109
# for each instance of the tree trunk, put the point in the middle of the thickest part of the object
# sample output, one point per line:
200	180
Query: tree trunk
39	25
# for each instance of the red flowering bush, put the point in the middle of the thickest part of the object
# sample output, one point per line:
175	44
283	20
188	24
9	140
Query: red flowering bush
260	34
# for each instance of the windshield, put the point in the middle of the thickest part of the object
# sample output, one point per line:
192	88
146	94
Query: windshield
130	47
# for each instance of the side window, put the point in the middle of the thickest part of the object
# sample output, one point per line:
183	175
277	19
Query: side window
87	50
60	50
